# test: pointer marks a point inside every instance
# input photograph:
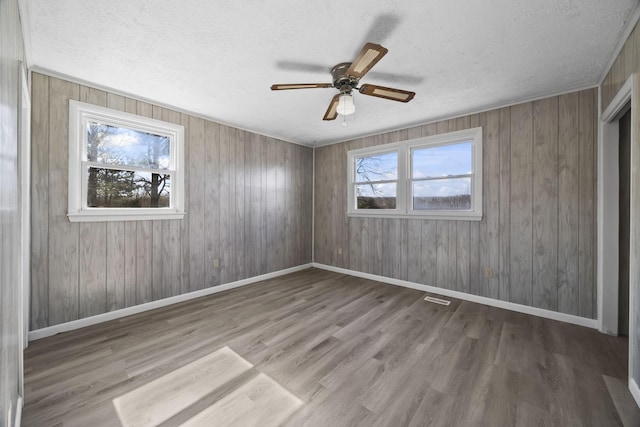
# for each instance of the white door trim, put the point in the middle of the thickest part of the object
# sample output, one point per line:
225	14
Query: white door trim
24	178
608	187
608	215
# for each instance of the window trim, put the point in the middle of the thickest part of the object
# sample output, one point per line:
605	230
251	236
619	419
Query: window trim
79	114
404	206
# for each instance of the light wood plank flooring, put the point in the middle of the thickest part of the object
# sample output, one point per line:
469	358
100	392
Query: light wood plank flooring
316	348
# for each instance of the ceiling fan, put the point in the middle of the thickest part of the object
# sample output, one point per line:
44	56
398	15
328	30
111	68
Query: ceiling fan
346	77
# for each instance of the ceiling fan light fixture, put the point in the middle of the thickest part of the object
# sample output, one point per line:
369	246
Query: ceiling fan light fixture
346	78
346	105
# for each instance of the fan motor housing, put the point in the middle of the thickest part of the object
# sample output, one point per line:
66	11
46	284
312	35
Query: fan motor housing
341	81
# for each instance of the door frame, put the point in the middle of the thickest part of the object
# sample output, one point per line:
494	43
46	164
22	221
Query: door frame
608	214
24	179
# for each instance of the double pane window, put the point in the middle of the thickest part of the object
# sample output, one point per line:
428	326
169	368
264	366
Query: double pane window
433	177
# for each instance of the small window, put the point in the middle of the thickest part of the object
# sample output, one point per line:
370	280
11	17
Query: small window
433	177
376	181
123	166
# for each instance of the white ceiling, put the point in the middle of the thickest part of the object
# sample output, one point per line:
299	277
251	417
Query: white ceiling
219	58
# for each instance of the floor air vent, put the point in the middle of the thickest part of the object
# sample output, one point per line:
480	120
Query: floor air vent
437	300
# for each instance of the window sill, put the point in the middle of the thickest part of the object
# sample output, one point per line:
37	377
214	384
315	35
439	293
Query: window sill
444	216
87	216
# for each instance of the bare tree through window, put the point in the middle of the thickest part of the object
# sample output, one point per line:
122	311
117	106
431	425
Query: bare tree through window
376	178
115	186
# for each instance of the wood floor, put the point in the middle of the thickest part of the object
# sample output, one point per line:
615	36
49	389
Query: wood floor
316	348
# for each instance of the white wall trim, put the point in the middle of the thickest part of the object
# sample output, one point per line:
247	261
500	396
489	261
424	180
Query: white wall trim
608	231
635	390
614	109
634	267
25	193
607	207
24	170
313	205
464	113
19	406
25	25
105	317
547	314
608	186
116	91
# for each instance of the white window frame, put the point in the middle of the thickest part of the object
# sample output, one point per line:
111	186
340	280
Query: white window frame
79	114
404	205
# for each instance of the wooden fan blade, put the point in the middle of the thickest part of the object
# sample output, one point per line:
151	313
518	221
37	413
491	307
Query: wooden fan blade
332	111
369	56
387	93
301	86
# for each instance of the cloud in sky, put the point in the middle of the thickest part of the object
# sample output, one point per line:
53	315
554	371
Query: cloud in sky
129	147
436	163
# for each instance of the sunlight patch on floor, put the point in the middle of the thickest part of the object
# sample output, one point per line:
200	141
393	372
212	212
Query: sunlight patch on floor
260	402
167	396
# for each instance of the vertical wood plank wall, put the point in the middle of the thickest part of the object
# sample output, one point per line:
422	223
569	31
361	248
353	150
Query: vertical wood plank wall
538	231
11	51
627	63
248	203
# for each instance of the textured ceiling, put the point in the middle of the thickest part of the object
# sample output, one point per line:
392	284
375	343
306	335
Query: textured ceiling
219	58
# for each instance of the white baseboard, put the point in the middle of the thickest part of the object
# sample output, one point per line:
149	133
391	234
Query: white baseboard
635	390
104	317
540	312
19	405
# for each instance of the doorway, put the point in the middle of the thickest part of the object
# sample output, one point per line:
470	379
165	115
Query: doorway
618	226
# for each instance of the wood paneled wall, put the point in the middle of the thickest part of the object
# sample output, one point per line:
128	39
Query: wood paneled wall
248	203
11	309
538	231
627	63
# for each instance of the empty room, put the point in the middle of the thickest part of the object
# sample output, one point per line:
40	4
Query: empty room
369	213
